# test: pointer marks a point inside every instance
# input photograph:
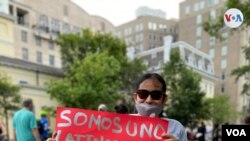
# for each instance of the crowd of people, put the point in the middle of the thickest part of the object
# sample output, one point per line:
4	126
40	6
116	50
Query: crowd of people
149	97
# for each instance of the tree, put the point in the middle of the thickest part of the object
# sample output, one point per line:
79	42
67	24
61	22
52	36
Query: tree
186	102
214	29
221	109
96	70
9	98
95	82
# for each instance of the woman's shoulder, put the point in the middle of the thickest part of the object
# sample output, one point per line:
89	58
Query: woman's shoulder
173	122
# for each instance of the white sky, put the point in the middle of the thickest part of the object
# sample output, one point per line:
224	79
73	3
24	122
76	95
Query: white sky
122	11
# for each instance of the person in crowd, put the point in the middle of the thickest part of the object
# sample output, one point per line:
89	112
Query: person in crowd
44	123
149	97
216	132
201	131
2	132
121	109
102	107
24	123
247	120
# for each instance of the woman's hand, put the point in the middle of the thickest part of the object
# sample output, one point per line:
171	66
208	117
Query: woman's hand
168	137
53	137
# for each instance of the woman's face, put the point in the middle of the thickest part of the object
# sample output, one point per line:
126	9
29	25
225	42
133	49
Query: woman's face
150	85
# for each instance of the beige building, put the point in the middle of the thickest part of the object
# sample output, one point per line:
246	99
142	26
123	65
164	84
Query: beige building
147	30
38	23
227	54
28	54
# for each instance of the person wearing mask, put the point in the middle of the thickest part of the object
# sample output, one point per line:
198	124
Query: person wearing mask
24	123
149	97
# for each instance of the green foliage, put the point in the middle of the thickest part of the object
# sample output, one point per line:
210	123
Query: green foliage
186	101
221	109
130	72
95	81
9	98
96	70
76	46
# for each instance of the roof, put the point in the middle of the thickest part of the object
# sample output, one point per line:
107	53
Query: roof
18	63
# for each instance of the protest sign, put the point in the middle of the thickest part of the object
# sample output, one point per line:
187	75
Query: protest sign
74	124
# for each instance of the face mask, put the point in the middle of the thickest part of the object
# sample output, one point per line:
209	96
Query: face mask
145	109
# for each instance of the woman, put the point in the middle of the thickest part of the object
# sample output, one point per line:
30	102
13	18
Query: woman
149	97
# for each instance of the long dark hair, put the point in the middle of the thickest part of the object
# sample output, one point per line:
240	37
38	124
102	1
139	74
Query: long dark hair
151	75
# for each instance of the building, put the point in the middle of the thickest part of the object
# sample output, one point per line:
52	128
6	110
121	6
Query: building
147	30
194	59
227	54
28	53
38	23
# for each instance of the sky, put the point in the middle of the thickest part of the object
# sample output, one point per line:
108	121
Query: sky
122	11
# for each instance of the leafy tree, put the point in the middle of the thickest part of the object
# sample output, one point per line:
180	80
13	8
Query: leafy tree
9	98
186	102
96	70
94	82
76	46
221	109
130	72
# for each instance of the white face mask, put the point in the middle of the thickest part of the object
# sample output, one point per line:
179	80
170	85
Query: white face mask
145	109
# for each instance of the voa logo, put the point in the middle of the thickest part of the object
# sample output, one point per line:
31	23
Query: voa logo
233	18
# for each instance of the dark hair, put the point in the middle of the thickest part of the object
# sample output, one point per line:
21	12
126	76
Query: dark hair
247	120
27	102
152	75
122	109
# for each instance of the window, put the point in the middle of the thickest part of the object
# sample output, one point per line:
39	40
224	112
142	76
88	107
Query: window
44	23
152	26
223	50
222	88
127	31
198	19
25	54
198	43
212	41
202	4
225	37
66	28
196	6
38	41
216	1
213	14
223	76
39	57
187	10
65	10
51	45
55	26
24	36
209	2
139	27
198	31
154	54
212	53
51	60
223	64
